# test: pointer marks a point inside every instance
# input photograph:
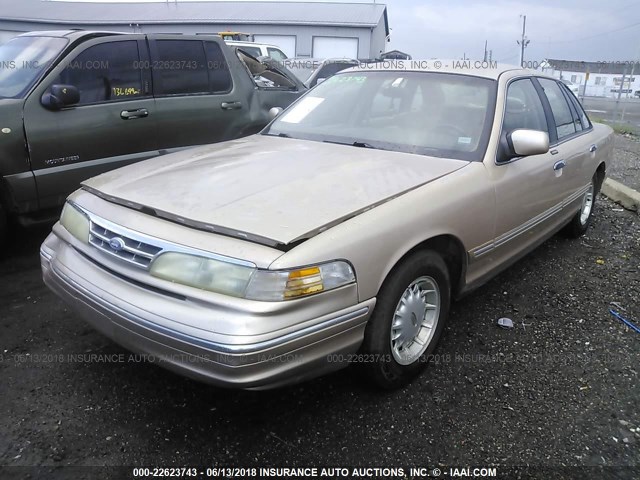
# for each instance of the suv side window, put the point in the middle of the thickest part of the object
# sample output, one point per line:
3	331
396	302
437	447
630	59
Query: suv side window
181	67
523	108
219	75
565	125
106	72
276	54
255	51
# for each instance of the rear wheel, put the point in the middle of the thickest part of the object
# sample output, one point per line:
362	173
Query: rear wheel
581	221
408	319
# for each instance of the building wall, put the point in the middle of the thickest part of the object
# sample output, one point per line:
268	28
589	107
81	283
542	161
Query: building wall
378	40
370	40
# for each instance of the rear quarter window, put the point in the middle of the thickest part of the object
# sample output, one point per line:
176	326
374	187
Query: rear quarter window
218	68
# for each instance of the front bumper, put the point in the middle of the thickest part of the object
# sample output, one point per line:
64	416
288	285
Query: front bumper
148	321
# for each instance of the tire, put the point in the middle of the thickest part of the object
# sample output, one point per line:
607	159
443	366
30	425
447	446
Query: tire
397	355
582	219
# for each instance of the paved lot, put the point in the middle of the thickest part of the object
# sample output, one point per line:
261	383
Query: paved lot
562	388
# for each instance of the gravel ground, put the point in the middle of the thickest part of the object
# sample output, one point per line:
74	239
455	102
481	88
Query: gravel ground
559	389
626	167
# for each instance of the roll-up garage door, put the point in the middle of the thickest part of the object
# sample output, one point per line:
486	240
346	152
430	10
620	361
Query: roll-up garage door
287	43
335	47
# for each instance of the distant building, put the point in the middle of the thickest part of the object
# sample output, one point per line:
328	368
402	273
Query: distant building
395	55
597	79
300	29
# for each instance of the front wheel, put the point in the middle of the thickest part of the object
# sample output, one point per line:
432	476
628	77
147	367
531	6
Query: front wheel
581	221
407	322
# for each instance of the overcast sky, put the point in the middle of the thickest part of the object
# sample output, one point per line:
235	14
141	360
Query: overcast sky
568	29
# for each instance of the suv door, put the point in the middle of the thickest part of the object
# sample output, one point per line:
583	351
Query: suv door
528	190
113	123
197	100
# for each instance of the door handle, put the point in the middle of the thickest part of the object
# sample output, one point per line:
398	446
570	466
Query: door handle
559	165
131	114
593	148
231	105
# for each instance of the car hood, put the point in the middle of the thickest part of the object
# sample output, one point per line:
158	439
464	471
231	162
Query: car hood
272	190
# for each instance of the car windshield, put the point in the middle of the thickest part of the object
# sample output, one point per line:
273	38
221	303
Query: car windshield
436	114
23	60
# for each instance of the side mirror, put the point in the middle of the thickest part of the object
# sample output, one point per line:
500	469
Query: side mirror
60	96
274	112
522	143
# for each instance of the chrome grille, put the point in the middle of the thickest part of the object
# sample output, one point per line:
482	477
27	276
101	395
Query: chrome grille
122	246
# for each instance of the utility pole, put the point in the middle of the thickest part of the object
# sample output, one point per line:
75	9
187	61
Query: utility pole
485	52
523	42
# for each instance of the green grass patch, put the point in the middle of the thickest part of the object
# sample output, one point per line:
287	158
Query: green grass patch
621	128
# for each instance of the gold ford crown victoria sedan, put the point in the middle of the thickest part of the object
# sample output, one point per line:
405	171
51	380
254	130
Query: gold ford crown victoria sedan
341	233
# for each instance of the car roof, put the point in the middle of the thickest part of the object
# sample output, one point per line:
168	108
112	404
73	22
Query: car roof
249	44
461	67
323	60
73	34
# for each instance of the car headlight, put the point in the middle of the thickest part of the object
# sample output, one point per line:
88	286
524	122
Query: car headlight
75	222
201	272
248	282
269	285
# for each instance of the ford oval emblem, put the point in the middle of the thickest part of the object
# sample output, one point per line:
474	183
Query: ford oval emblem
116	243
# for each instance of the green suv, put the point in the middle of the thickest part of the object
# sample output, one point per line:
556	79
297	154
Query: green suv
74	104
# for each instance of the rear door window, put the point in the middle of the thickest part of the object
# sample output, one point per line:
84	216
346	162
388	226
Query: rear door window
181	67
565	124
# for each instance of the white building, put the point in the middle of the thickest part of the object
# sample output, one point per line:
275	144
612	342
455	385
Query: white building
597	79
303	29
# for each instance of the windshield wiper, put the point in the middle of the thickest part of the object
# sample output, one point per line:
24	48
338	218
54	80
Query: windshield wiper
281	135
353	144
